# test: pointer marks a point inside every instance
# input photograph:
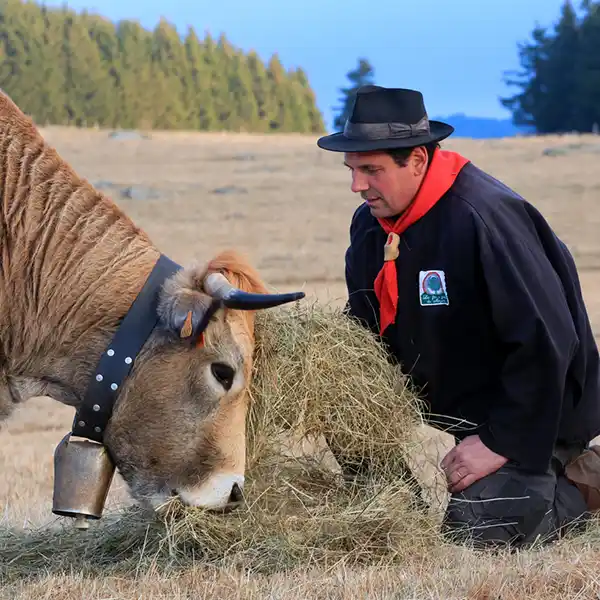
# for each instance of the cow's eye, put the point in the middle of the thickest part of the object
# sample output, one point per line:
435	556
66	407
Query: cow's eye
223	373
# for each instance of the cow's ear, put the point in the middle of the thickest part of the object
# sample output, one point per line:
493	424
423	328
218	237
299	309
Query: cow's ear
184	309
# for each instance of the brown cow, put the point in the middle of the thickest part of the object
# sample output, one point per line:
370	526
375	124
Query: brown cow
72	264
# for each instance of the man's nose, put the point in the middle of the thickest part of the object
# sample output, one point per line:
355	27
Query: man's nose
359	183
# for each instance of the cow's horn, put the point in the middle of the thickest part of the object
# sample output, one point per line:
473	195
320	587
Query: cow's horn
217	286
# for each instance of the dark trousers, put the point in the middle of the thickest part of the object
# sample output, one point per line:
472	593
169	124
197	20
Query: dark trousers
515	507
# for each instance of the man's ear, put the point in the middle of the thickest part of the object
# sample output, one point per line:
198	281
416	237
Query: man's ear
184	309
418	159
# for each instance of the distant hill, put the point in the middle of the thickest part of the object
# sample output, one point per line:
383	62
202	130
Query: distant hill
481	127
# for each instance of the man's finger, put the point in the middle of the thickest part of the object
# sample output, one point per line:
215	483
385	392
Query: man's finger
457	475
463	483
448	459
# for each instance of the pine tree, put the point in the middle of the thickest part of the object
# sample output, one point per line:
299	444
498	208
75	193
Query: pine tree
315	117
242	95
21	52
587	70
222	54
530	105
560	77
136	86
104	34
282	114
53	93
261	88
363	75
171	102
87	82
561	73
201	109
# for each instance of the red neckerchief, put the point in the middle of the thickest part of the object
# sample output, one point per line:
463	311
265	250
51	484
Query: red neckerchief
443	170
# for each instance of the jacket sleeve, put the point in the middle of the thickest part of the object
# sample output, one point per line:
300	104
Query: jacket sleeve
533	323
359	304
362	302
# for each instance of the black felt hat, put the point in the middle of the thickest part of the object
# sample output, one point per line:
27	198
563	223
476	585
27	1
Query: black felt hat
385	118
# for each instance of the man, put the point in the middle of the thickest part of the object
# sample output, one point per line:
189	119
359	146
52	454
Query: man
479	301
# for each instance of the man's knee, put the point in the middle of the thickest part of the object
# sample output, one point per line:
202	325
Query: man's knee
465	523
504	508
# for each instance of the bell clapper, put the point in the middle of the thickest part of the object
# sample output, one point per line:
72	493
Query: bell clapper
82	522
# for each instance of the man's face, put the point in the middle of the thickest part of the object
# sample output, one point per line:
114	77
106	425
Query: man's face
386	187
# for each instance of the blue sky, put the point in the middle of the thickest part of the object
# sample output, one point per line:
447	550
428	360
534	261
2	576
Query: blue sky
454	51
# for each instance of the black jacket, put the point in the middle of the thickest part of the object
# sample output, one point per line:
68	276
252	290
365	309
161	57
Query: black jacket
512	356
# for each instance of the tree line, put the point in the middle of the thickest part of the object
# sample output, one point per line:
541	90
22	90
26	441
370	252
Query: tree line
68	68
559	79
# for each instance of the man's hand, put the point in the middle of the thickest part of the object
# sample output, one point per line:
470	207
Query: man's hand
468	462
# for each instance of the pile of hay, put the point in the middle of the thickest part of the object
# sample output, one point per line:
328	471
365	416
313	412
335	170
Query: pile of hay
317	375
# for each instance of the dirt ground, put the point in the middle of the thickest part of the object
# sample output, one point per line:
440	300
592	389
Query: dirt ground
287	204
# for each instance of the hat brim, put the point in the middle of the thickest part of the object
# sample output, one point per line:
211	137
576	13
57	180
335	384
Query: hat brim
337	142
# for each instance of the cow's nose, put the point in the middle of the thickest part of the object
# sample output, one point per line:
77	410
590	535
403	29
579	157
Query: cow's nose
236	495
235	500
220	492
223	373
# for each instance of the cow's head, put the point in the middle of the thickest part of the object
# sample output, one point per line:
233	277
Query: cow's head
178	426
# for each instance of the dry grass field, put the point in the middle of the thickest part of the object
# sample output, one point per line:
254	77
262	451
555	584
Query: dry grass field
288	205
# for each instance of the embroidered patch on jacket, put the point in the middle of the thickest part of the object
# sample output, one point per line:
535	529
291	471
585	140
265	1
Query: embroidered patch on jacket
432	288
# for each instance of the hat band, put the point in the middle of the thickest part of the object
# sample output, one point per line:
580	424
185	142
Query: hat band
385	131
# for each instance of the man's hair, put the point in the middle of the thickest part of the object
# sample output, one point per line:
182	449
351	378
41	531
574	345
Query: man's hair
400	155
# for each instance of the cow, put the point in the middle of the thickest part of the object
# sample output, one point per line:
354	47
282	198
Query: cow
77	273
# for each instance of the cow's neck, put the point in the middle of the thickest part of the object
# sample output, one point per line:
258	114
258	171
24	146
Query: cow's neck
72	264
